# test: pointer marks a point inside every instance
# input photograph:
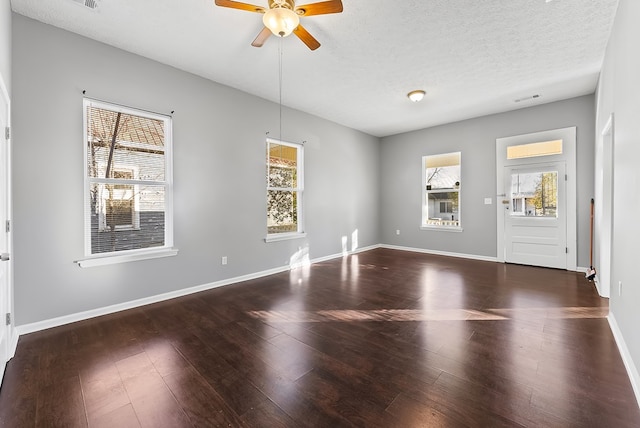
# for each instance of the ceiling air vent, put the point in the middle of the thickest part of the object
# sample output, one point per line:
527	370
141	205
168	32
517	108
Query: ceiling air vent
91	4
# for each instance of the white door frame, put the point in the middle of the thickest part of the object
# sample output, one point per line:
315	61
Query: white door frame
10	331
603	218
568	136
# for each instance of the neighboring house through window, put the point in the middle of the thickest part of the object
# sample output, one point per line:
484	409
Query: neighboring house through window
285	185
441	191
120	204
128	180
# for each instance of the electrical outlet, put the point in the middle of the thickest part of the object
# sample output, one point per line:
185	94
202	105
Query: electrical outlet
397	231
224	260
488	201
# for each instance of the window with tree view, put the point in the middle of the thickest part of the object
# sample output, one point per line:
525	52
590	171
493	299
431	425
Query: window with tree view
127	179
284	188
534	194
441	191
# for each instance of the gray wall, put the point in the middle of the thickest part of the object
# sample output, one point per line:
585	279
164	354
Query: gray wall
619	93
219	176
5	44
401	175
353	181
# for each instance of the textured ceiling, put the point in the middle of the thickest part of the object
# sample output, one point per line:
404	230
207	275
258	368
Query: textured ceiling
473	57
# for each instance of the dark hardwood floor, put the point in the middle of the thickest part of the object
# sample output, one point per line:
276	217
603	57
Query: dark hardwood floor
384	338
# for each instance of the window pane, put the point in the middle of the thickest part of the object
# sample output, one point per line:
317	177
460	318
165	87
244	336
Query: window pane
442	209
126	217
283	164
282	213
444	177
535	194
136	137
282	177
442	171
544	148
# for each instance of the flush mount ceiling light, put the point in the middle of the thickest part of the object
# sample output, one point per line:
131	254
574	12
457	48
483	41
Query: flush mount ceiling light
416	95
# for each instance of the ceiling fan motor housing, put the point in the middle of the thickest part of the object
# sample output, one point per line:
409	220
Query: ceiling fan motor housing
288	4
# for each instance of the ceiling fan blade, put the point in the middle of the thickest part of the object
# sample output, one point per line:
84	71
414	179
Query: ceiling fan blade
261	38
306	38
321	8
240	5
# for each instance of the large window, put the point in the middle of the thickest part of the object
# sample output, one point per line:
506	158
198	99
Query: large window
128	180
284	189
441	191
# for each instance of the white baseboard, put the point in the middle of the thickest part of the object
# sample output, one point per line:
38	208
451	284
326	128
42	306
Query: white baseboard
80	316
440	253
632	370
12	342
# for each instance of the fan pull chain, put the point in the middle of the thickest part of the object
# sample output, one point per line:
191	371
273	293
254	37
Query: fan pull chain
280	83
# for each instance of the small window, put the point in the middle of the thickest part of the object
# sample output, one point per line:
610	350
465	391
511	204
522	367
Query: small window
441	191
128	180
284	189
531	150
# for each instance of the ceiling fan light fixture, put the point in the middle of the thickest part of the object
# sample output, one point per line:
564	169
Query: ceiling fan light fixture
416	95
281	21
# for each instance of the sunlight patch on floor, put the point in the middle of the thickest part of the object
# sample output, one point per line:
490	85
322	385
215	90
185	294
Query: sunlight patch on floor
427	315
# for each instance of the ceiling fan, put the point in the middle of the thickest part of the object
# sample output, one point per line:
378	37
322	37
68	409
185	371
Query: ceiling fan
282	18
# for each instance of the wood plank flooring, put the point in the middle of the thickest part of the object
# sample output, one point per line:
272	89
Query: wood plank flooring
384	338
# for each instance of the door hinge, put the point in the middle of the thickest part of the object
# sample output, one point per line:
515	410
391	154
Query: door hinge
566	177
566	250
8	226
7	133
8	318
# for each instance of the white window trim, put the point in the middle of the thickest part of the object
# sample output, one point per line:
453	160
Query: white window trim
275	237
300	233
131	256
167	250
425	193
442	228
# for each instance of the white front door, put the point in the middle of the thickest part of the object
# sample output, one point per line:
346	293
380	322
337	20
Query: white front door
535	218
5	263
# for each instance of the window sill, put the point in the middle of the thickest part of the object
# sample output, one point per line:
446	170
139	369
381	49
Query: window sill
442	228
284	236
123	258
119	229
